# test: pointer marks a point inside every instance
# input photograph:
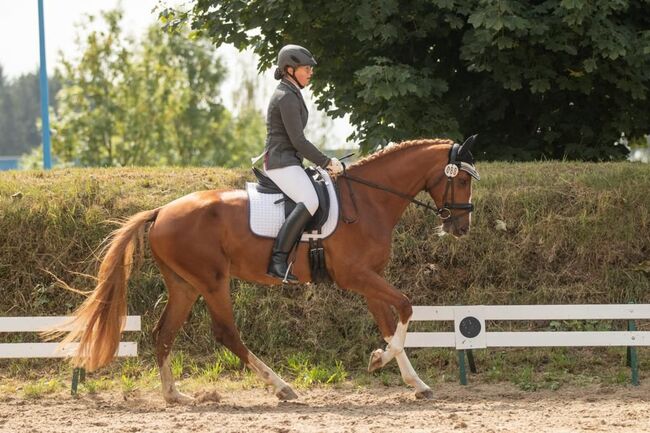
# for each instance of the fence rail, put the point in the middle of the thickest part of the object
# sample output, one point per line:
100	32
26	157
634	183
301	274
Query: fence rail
470	328
54	350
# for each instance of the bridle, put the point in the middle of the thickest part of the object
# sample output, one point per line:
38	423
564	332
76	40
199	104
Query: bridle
451	171
454	165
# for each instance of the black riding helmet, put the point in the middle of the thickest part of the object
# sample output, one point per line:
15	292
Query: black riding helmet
294	56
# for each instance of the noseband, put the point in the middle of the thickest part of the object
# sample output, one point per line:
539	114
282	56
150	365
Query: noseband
451	171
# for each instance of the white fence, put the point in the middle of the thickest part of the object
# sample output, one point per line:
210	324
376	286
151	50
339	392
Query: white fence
470	331
51	350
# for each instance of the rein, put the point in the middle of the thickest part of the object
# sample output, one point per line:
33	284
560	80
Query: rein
349	177
444	212
451	170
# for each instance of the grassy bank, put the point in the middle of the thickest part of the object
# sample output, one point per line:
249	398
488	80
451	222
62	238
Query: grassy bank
542	233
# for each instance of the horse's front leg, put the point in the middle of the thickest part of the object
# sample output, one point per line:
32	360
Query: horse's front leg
380	296
384	318
377	291
381	357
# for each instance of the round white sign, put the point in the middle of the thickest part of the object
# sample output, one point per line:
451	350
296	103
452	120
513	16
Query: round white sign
451	170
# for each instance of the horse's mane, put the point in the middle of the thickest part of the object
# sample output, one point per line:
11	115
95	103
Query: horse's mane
399	146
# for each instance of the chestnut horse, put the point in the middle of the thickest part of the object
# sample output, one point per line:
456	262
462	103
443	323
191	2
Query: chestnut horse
201	240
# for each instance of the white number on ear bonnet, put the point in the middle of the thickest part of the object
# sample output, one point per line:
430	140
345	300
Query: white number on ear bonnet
451	170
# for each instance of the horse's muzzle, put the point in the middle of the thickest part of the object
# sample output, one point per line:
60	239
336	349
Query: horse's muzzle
455	227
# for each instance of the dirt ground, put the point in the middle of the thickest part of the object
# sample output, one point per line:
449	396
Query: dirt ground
474	408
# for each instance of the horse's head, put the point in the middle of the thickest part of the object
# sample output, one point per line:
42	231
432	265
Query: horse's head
450	186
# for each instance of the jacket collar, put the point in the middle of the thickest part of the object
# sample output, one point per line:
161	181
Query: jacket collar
291	86
294	89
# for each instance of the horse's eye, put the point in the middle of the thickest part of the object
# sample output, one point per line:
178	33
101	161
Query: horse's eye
463	182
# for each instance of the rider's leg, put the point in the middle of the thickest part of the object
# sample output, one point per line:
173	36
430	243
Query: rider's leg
289	234
296	184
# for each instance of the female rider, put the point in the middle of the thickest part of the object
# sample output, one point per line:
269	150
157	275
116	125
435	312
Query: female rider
286	146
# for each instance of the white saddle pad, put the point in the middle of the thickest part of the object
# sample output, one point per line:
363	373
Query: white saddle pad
266	217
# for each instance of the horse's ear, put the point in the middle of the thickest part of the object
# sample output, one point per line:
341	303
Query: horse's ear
465	151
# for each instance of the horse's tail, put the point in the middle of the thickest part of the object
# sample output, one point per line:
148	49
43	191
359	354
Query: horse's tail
98	322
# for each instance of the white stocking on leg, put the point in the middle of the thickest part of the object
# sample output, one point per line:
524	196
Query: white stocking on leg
409	375
381	357
170	393
281	389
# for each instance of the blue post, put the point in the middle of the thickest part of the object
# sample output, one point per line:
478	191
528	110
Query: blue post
45	116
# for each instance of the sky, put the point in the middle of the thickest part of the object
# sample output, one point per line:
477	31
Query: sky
19	25
19	46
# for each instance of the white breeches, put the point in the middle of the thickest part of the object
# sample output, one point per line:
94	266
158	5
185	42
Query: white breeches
295	183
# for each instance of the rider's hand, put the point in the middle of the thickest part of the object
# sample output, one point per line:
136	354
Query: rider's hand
334	167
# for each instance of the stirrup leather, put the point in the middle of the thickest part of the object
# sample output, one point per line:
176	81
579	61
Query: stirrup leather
286	274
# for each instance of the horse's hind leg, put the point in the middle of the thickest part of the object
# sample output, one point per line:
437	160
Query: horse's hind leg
179	304
384	317
226	332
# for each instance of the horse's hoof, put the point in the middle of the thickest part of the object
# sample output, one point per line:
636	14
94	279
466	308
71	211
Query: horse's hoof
179	398
375	360
286	393
427	394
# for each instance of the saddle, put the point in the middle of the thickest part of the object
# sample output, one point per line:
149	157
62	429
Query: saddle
266	186
266	216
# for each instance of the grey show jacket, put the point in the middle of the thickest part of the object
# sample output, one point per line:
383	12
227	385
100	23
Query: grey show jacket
285	140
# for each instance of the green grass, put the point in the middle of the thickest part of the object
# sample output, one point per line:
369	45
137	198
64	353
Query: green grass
128	384
37	389
228	360
93	386
212	372
177	365
530	370
308	373
523	378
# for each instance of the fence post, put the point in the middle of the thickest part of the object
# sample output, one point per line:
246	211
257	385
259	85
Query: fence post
461	367
632	360
75	381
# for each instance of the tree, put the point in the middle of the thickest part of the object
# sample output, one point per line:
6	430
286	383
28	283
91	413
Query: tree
547	78
7	134
149	102
20	112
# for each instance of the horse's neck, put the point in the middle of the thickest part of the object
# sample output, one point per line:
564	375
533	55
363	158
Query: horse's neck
404	171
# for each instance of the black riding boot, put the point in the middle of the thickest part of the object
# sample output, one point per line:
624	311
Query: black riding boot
289	234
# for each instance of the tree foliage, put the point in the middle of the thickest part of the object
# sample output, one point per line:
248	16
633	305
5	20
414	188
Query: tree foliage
20	112
544	78
154	101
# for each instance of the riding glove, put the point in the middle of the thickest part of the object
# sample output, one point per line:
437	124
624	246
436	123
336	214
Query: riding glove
335	166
